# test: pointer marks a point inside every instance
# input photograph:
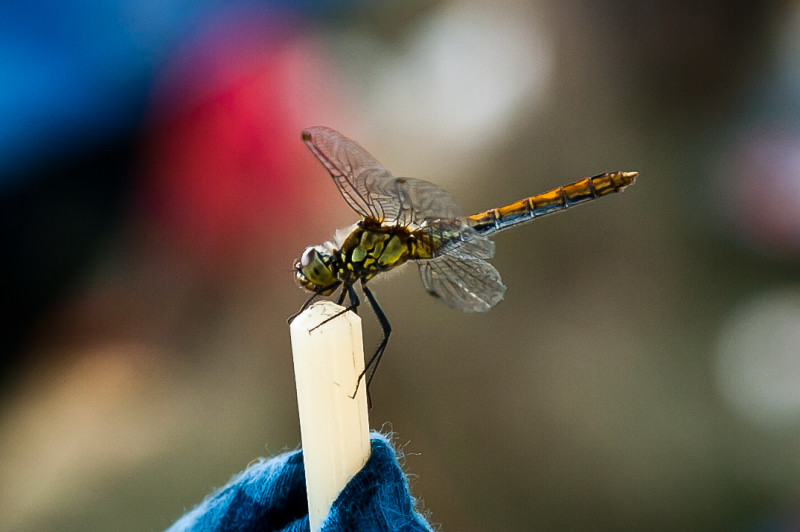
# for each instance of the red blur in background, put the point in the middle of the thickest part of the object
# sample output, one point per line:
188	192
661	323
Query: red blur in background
223	160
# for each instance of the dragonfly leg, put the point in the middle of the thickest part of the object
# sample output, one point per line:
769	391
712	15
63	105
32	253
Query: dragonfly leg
354	303
305	306
342	295
372	364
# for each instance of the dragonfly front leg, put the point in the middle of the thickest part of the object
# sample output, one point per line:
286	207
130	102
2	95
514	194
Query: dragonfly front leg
304	307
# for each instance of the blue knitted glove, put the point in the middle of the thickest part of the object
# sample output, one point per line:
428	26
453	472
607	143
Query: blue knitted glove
270	496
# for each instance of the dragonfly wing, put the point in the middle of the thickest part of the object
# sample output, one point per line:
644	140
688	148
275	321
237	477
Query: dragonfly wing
411	201
370	189
353	169
454	237
466	283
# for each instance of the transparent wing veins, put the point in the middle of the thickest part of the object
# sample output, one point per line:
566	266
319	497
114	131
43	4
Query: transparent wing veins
351	167
370	189
468	284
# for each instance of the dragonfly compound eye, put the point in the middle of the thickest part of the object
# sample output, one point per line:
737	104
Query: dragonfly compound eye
315	271
307	258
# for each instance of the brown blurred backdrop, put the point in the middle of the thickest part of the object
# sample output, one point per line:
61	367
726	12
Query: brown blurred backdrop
643	372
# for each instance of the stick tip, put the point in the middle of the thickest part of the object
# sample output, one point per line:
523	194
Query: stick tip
322	313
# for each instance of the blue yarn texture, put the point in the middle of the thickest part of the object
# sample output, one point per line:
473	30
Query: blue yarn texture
270	496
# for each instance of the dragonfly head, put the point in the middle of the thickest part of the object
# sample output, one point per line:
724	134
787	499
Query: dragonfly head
316	271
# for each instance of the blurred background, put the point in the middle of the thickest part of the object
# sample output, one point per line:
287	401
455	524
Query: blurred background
643	372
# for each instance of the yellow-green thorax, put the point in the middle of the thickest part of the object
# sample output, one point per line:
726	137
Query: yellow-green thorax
369	249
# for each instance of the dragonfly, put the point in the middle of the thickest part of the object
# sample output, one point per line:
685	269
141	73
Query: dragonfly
407	219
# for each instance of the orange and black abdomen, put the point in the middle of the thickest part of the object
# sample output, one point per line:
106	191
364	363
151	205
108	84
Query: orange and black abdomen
555	200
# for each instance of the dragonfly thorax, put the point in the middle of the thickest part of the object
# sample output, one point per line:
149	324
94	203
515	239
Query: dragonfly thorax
367	250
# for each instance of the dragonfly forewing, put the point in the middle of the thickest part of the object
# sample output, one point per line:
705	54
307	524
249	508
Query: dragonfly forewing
351	167
371	190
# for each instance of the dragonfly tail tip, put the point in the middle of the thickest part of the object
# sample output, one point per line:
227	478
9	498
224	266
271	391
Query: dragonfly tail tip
629	177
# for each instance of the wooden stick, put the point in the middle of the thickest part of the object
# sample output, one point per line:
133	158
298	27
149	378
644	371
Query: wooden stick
334	427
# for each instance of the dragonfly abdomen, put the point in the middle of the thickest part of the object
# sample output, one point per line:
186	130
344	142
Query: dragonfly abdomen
550	202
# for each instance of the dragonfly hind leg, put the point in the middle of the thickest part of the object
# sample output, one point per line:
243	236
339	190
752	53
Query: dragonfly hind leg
372	364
